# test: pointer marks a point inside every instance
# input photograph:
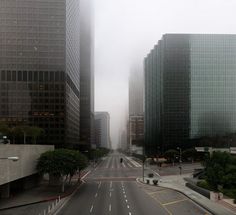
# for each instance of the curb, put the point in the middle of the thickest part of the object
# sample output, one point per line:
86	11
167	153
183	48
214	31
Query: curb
77	185
44	200
194	200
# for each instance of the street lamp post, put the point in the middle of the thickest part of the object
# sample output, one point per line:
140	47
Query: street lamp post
180	160
10	158
144	158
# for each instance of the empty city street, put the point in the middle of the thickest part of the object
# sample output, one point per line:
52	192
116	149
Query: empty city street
111	188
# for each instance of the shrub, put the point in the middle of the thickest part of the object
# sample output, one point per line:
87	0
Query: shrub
204	184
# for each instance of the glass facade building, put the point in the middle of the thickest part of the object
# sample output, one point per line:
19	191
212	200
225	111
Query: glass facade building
39	67
190	90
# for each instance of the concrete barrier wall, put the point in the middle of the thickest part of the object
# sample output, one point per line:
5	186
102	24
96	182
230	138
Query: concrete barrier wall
25	166
200	190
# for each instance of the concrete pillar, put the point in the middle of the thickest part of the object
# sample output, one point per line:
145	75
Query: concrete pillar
5	191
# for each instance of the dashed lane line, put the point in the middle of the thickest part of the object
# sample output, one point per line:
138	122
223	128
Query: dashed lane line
110	207
91	209
99	185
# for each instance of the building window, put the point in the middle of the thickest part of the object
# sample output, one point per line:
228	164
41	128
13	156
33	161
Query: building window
19	78
3	75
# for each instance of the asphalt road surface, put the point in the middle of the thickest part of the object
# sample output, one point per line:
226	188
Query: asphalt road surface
111	189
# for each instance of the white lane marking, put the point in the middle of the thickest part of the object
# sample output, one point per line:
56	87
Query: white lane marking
91	209
111	184
110	207
124	192
129	213
123	165
99	185
129	165
108	161
112	163
85	174
96	195
110	194
136	164
125	196
127	206
126	200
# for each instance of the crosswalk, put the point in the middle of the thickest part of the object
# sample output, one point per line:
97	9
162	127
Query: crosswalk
135	163
114	163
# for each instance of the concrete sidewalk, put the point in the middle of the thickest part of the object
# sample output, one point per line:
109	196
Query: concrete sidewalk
42	193
177	182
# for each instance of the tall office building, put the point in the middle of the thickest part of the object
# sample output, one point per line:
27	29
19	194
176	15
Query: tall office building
102	129
190	90
86	75
136	85
39	66
123	139
136	119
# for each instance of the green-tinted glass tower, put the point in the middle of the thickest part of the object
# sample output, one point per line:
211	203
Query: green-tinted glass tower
190	90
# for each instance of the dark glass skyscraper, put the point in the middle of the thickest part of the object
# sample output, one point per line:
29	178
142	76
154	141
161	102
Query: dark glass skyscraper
190	90
39	66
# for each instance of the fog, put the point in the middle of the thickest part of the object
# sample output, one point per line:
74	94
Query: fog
125	31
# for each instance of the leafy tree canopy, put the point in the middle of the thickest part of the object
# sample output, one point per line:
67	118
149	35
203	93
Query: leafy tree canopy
61	162
171	154
221	169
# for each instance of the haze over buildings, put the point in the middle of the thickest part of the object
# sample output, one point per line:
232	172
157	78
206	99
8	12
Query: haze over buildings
125	31
86	74
136	102
190	90
102	129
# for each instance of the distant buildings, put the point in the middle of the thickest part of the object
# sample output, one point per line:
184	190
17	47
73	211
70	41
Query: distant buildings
136	91
135	128
102	130
190	90
86	75
123	139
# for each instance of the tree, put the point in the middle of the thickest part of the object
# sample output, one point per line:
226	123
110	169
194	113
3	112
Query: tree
35	132
4	129
98	153
171	155
26	131
190	154
19	131
220	169
61	163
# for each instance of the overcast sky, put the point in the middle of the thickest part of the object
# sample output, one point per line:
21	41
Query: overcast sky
126	30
